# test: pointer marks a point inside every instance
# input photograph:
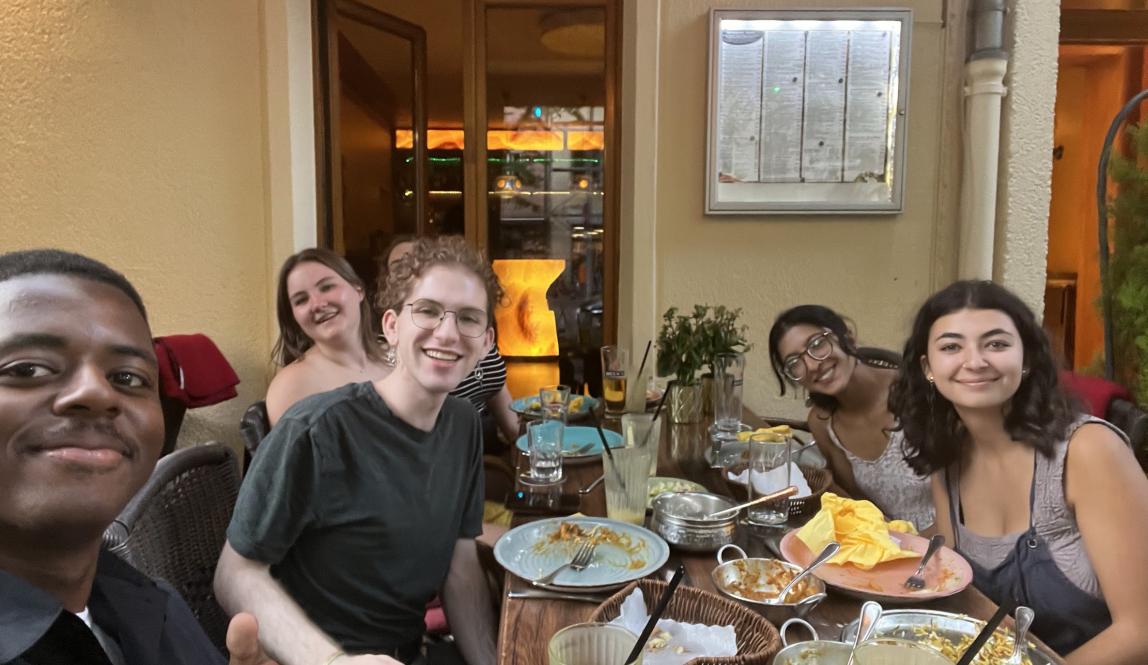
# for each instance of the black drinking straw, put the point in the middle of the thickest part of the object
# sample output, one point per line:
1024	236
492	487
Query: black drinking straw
657	412
642	368
606	447
1007	605
659	610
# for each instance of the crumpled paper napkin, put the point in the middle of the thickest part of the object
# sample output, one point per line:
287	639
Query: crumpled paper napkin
693	640
861	529
773	480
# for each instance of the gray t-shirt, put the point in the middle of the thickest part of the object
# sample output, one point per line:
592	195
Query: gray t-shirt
358	512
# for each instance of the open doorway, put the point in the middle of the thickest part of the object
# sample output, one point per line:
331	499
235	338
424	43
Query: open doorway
1102	64
492	119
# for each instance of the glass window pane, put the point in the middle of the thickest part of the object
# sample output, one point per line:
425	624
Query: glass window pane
546	98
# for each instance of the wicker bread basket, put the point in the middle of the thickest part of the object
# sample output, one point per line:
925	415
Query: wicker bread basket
757	639
819	480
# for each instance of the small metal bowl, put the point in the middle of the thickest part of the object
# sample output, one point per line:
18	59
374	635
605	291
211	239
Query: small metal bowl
730	572
681	519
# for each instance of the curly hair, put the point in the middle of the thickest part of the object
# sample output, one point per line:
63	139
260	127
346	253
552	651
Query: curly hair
428	253
820	317
293	342
1038	414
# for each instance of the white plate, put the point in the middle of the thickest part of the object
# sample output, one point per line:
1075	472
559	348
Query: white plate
530	551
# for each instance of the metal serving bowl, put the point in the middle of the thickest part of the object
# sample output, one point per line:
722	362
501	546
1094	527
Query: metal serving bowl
681	519
918	625
733	573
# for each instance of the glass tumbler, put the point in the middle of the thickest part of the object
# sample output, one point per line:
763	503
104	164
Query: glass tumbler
769	471
729	371
615	369
591	644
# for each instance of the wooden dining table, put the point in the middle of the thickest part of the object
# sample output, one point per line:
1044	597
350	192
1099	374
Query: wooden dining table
526	624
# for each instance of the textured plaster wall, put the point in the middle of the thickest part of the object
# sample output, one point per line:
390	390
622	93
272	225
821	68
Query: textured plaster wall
133	131
1021	246
876	270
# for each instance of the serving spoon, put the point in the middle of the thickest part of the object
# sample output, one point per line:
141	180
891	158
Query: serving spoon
826	554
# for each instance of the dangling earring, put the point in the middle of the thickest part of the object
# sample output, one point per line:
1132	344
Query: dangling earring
390	358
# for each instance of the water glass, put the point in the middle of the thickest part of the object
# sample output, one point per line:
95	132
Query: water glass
554	400
591	644
729	370
640	429
615	369
769	471
627	478
544	445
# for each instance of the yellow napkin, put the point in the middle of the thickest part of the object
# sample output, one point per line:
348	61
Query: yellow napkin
860	528
780	432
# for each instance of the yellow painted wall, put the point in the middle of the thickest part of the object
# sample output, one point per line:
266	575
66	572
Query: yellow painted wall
875	269
134	132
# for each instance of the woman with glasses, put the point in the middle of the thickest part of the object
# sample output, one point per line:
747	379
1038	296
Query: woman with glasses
485	387
812	348
365	501
327	333
1048	504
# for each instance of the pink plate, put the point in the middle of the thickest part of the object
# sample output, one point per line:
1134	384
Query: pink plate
946	574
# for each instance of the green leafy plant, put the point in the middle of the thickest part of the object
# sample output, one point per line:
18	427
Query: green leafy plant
1127	279
687	343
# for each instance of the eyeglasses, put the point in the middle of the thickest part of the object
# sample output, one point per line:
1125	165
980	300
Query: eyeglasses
428	315
819	348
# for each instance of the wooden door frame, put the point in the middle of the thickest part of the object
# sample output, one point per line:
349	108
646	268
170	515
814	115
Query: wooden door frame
475	125
325	50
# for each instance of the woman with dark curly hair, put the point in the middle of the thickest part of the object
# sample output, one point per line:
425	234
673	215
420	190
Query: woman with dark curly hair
812	347
1049	506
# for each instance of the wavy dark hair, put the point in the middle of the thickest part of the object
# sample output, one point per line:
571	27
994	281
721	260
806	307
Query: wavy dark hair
293	342
1038	414
821	317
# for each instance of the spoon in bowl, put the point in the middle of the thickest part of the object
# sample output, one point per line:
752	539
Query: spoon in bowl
1024	616
870	615
826	554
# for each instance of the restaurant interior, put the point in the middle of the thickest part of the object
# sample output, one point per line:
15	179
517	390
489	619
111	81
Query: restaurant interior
657	185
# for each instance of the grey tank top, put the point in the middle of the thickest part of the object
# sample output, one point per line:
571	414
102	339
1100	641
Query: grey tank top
1055	523
890	482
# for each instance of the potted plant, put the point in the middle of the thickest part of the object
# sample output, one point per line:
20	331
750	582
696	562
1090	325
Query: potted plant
723	335
687	343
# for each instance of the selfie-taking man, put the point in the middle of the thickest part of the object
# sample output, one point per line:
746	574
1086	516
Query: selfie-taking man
80	431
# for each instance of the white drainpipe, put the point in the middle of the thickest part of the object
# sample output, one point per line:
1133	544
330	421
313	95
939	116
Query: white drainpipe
984	90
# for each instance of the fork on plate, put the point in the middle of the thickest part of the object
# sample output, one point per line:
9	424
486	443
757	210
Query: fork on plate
916	581
581	560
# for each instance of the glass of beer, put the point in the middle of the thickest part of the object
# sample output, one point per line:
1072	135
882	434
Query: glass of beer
615	365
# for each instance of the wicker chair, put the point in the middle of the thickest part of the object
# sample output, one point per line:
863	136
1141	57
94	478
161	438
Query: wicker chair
254	426
174	528
1133	421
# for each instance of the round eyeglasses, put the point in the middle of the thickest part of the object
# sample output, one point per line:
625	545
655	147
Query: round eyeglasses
819	347
428	315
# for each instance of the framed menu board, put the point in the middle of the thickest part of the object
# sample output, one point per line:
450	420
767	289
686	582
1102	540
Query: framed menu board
807	111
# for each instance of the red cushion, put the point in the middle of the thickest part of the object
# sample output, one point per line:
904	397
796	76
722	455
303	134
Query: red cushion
1096	393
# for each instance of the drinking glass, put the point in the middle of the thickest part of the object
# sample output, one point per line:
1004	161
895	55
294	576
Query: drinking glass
627	478
554	400
769	471
615	366
544	445
591	644
729	369
640	429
